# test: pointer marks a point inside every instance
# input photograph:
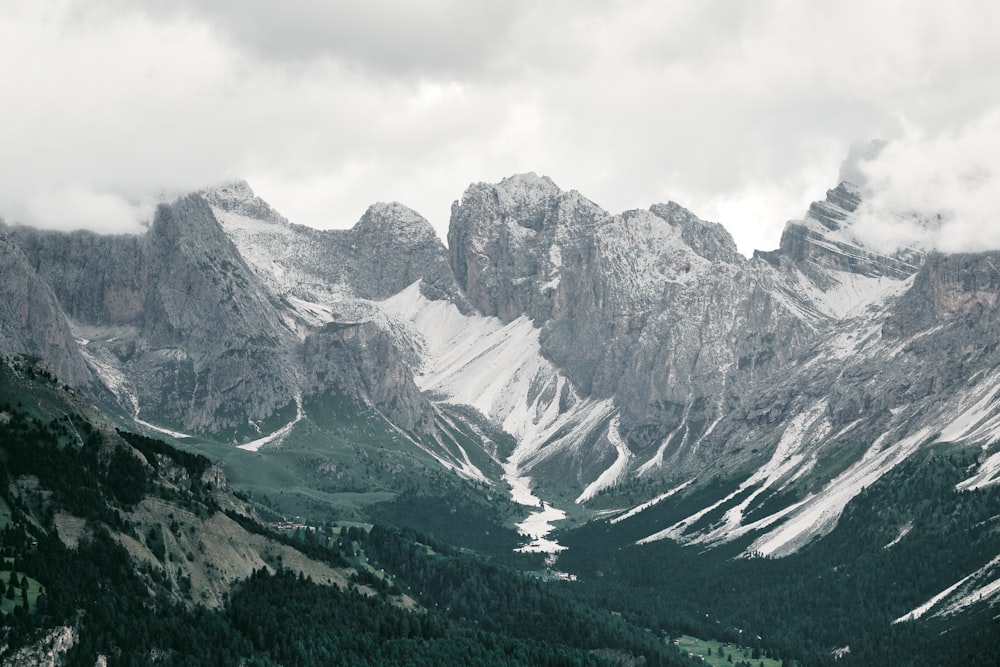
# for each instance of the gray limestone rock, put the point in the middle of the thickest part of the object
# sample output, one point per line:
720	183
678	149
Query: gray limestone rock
822	242
948	287
359	361
655	309
186	335
174	319
389	248
31	320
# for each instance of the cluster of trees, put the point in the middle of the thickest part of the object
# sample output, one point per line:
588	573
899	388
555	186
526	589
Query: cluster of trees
289	620
459	514
68	458
479	592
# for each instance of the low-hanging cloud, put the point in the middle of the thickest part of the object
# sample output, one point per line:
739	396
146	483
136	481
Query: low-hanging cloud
937	192
741	114
81	208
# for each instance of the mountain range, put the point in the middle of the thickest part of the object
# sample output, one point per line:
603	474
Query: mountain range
632	370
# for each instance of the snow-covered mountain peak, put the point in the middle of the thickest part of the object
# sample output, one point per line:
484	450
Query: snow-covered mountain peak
823	266
835	210
396	220
528	188
525	200
709	239
239	198
828	237
643	256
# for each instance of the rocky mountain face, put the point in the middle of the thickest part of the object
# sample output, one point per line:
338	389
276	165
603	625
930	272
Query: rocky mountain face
31	319
654	309
801	375
359	361
631	356
389	248
173	321
182	331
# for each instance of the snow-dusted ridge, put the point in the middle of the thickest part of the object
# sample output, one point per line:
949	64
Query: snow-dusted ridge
971	415
650	503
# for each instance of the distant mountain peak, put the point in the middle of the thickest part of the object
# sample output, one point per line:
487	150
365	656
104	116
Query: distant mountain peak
840	202
238	197
395	219
709	239
528	186
824	238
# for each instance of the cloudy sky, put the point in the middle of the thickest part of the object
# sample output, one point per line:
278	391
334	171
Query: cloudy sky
741	111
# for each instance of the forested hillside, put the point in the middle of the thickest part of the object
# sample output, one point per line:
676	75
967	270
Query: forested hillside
897	545
93	572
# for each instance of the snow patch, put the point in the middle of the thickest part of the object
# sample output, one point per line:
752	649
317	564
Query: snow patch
656	460
259	242
166	431
980	421
649	503
850	295
499	370
786	459
278	435
987	474
555	263
982	593
555	256
520	487
903	532
465	467
112	378
537	526
313	313
617	469
992	588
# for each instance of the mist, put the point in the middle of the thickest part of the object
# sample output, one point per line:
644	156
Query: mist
938	192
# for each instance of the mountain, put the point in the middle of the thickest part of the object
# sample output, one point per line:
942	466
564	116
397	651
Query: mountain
632	370
173	322
653	311
388	249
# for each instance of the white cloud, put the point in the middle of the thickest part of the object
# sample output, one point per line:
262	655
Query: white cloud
937	192
77	208
739	112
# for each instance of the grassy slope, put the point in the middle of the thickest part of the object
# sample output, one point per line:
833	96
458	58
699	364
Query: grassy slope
715	652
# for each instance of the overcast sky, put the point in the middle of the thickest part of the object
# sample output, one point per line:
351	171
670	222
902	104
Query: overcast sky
741	111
